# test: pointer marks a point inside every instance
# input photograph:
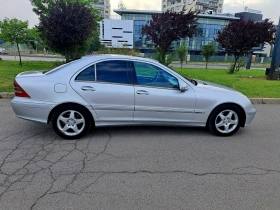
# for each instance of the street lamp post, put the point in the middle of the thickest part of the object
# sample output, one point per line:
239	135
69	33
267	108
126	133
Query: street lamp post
275	63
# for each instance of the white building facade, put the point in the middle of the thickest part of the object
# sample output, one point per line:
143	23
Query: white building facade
194	5
117	33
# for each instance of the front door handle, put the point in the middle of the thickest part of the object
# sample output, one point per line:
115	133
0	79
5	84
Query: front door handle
87	88
142	92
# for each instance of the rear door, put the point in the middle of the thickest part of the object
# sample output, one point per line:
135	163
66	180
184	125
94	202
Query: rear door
107	88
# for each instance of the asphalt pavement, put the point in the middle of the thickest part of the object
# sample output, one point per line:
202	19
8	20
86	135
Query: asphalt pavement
33	58
140	167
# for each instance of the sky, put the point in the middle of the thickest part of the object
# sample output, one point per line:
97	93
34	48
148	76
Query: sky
22	9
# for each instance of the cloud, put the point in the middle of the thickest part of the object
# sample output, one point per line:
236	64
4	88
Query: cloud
20	9
269	8
140	5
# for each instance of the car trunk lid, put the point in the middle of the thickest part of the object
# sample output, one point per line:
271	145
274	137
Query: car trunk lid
32	73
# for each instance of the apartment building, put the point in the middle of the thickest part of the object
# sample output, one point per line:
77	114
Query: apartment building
104	8
194	5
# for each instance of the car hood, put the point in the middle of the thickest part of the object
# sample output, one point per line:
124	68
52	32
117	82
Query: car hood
210	85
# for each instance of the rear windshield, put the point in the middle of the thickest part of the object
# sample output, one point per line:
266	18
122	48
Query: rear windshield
57	68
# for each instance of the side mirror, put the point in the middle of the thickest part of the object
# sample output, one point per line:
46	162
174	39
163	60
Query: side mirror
183	86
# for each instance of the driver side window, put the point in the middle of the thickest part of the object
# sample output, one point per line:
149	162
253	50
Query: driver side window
150	75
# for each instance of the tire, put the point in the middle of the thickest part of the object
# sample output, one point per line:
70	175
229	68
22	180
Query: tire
71	121
225	120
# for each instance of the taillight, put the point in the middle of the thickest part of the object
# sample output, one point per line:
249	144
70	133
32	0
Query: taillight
19	91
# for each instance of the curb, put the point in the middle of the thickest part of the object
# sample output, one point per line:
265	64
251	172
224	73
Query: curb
10	95
265	100
6	95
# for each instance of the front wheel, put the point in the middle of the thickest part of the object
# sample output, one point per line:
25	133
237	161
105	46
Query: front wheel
225	120
71	121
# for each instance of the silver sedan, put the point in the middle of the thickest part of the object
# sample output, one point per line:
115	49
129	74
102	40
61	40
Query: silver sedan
110	90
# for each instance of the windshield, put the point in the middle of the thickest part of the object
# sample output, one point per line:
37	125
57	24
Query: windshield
192	81
189	79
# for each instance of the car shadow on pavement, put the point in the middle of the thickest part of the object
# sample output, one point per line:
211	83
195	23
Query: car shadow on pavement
152	130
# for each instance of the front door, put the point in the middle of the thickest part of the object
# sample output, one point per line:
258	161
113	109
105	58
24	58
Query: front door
158	98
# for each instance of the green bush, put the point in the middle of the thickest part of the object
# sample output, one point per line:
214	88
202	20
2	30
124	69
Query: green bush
58	63
118	51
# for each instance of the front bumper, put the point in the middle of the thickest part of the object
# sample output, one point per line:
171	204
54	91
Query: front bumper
250	114
28	109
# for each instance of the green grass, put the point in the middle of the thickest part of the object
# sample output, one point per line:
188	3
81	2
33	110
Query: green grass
9	70
257	86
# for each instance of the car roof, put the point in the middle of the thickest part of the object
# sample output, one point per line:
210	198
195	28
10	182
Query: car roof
113	56
87	60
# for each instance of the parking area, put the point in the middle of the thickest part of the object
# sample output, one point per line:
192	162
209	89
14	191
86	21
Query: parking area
140	167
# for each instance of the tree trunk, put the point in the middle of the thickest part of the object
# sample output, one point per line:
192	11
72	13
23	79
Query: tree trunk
232	70
19	55
181	64
206	63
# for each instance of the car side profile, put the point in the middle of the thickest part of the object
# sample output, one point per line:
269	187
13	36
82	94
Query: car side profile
3	51
115	90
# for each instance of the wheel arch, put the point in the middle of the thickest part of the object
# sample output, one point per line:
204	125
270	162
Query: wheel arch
69	103
243	118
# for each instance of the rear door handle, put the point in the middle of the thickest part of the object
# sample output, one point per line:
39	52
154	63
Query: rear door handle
142	92
87	88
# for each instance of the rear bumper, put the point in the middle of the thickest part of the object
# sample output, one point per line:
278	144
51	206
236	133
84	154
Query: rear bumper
28	109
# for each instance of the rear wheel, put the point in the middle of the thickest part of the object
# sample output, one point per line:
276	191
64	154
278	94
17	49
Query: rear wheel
71	121
225	120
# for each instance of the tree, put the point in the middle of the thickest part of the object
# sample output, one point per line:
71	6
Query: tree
68	28
208	51
240	37
167	27
34	37
182	52
44	6
95	44
14	31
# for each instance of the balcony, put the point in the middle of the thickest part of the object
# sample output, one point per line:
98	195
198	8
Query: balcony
173	1
202	2
213	6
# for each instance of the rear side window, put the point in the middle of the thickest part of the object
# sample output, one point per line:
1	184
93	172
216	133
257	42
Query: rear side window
87	74
112	72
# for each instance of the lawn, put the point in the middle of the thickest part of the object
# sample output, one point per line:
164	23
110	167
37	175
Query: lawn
9	69
252	83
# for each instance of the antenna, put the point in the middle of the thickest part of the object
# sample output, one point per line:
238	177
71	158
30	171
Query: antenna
121	5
